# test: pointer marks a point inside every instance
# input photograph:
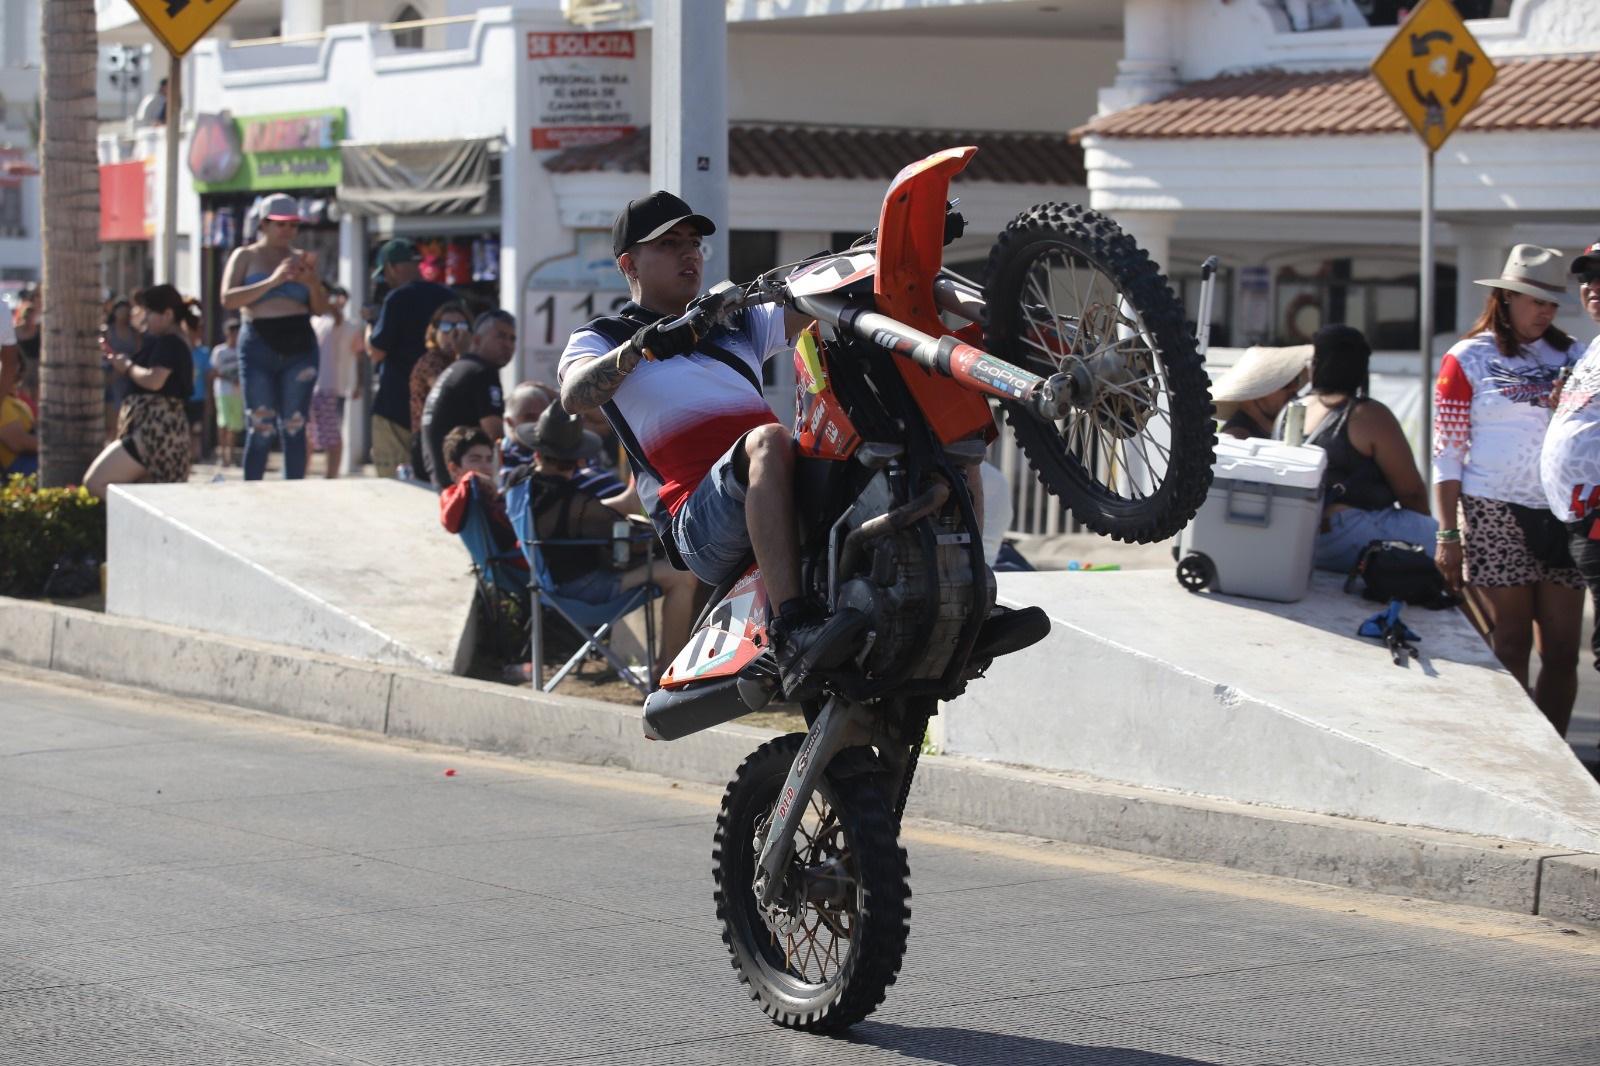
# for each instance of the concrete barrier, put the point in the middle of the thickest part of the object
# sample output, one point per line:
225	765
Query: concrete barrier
415	704
1569	890
1281	705
354	567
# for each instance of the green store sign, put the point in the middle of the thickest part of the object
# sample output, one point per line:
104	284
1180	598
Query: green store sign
262	153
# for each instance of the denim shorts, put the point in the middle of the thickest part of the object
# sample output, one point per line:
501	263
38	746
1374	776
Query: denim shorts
710	528
599	586
1352	529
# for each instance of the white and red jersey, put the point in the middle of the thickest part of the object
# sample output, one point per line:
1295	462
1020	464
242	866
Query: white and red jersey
1569	466
686	411
1490	416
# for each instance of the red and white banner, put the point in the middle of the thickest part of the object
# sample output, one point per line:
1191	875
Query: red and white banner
585	88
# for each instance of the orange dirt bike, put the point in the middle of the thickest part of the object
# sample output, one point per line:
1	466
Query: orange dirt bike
1084	348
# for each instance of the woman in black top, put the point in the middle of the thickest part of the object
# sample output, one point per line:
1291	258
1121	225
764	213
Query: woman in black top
1372	490
152	430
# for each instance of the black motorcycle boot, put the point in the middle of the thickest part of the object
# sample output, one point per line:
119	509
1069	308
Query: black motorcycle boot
805	644
1007	630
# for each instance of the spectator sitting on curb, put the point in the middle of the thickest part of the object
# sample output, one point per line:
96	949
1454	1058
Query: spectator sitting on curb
469	456
528	401
1372	488
152	432
562	510
1250	395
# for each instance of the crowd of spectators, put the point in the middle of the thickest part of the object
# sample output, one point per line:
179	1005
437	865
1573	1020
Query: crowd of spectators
1514	523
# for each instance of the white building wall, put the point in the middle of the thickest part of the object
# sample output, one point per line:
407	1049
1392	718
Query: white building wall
1261	200
19	84
937	82
1219	38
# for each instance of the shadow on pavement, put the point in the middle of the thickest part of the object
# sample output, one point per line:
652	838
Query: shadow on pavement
975	1047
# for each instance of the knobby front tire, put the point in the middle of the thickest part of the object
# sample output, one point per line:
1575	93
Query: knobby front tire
1068	291
837	960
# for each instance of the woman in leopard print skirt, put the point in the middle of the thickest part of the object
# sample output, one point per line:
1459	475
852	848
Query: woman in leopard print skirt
152	429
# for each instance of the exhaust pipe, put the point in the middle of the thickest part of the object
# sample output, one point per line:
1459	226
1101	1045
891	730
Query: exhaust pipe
671	714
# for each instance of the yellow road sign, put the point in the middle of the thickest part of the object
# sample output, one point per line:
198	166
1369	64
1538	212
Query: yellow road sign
178	24
1434	70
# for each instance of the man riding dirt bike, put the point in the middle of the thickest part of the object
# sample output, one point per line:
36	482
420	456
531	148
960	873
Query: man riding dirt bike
709	451
847	556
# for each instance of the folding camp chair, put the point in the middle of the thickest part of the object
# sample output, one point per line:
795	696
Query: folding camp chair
592	622
502	583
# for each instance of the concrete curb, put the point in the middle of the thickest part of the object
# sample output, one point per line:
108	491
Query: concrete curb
1449	867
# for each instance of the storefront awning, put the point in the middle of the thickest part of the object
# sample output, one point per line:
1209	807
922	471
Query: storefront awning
770	150
416	178
1528	96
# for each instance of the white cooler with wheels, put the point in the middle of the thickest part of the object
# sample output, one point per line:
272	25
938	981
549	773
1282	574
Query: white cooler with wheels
1255	534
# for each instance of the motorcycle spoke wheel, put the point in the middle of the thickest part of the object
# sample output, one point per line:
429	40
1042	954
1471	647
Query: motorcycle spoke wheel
1069	292
823	957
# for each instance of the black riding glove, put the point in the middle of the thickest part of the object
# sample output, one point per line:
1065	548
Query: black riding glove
653	342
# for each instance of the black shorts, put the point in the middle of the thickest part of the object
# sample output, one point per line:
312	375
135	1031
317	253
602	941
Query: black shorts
195	411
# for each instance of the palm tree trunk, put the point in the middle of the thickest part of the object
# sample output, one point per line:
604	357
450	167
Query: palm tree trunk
71	389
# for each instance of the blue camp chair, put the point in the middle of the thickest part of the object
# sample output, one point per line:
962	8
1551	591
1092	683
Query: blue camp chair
592	622
502	583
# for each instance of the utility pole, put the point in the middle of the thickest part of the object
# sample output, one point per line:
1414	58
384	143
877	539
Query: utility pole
169	228
689	113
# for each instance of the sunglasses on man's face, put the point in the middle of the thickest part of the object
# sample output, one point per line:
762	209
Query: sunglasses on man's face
1589	277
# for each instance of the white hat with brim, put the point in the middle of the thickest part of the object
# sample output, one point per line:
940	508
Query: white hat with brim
1259	372
1533	271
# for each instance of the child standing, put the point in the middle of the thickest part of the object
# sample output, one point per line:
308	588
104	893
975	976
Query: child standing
225	389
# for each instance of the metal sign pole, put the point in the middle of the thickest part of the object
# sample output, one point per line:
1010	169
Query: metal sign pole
689	114
169	236
1426	310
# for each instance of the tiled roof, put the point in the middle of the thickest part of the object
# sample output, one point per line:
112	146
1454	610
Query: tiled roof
1527	95
792	151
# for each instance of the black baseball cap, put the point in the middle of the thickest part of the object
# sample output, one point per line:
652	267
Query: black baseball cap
1588	259
649	217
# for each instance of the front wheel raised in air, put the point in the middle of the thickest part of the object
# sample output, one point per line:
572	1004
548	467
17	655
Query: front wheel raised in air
823	956
1068	292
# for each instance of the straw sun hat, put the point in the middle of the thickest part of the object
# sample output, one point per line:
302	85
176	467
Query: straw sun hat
1259	372
1533	271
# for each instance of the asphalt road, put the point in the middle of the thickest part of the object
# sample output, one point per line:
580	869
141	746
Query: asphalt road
186	884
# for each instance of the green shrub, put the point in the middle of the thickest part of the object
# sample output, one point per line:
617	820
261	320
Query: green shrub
39	526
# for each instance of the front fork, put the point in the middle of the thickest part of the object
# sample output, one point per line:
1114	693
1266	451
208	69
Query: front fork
841	724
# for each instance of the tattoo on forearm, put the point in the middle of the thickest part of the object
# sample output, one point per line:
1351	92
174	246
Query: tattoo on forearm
594	384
